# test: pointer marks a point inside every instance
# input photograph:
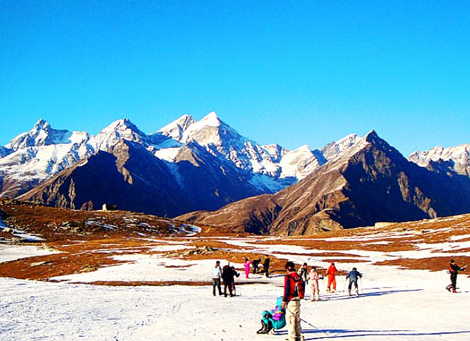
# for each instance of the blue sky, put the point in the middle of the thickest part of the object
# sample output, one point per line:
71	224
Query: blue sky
291	72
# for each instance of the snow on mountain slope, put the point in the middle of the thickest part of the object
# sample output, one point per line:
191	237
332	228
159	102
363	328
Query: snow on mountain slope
459	155
176	129
4	151
120	129
224	142
334	149
40	153
42	134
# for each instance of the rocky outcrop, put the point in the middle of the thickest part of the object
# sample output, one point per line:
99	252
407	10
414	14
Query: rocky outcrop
371	182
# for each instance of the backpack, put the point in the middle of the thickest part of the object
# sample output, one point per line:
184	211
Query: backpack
299	287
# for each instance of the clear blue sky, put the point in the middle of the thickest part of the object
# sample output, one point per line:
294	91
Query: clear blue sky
291	72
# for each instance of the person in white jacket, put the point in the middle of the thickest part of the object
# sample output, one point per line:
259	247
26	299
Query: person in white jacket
216	276
313	278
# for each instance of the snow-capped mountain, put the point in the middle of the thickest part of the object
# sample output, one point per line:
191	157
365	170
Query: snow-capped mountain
42	134
226	143
122	129
370	182
458	156
37	155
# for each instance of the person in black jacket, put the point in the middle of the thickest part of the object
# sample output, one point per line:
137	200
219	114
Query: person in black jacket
255	265
228	274
266	266
454	271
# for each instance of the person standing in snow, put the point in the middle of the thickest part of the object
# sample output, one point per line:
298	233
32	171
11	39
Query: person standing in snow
313	277
331	273
294	290
454	271
247	266
216	276
353	276
228	277
255	265
266	263
235	274
303	273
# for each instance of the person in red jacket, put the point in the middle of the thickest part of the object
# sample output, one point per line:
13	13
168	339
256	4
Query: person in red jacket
331	273
294	291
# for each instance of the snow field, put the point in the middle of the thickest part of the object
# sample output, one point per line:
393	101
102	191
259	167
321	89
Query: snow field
410	308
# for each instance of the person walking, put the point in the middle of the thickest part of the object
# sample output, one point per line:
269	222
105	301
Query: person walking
216	276
313	277
454	271
353	277
294	291
266	263
331	273
247	267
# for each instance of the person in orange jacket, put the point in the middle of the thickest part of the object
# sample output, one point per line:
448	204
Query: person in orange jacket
331	273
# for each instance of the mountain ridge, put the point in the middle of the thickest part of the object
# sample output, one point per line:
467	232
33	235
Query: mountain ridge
371	182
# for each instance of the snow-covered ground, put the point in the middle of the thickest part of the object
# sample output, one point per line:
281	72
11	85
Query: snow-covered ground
393	305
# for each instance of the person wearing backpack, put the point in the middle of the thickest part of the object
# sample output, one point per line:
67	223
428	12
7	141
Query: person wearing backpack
294	291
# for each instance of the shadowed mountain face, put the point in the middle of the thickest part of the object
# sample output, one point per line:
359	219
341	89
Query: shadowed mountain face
130	177
37	155
371	182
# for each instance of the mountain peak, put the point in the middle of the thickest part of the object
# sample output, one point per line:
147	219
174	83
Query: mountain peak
371	135
211	119
176	129
42	134
41	124
122	124
120	129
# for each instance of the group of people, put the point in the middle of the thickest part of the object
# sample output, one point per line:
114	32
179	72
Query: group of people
287	309
227	274
311	278
255	264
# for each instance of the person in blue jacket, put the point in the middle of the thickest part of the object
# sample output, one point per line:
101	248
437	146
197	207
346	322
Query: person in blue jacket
353	277
274	319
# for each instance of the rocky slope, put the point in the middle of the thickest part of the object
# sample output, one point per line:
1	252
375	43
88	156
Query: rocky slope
371	182
37	155
129	176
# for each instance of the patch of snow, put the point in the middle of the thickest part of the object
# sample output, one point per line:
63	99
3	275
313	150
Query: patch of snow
10	253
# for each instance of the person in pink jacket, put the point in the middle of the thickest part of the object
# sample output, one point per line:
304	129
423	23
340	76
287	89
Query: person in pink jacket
247	266
313	278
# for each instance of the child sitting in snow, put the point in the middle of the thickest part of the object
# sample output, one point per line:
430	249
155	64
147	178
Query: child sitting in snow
274	319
